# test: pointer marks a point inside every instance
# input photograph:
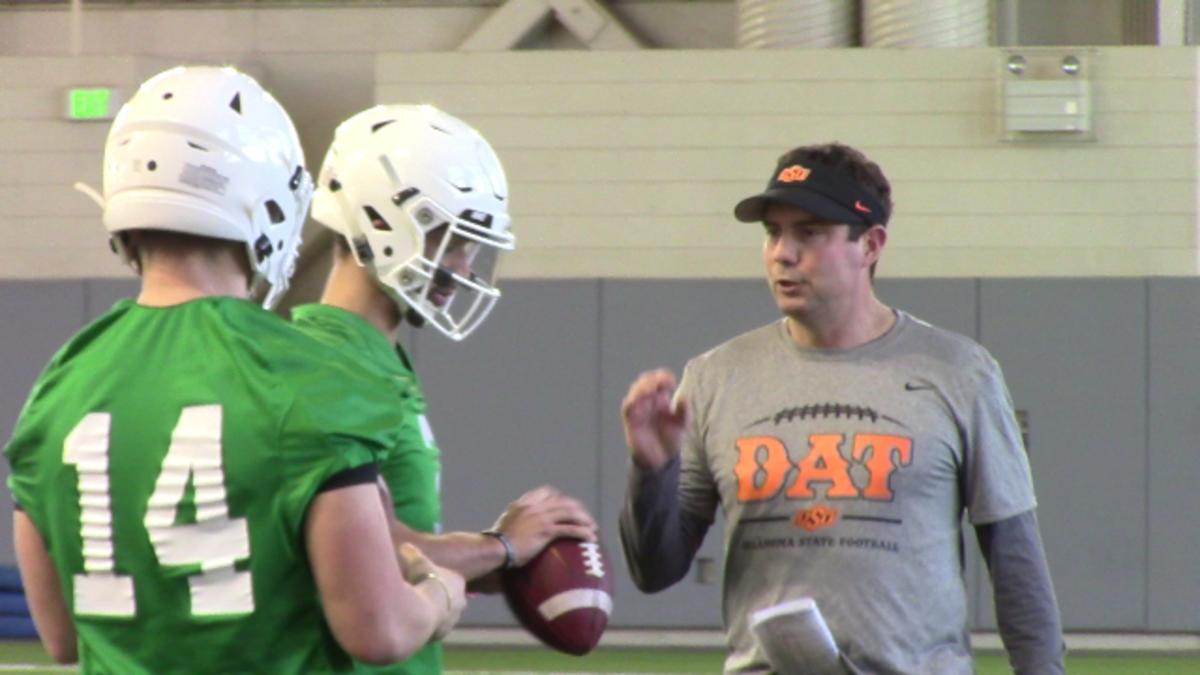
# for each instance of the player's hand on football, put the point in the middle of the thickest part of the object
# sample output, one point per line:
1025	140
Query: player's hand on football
654	419
540	516
443	588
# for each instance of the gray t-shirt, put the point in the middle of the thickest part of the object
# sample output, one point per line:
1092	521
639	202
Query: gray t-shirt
843	475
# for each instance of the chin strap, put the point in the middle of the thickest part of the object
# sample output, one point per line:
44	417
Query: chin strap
115	242
90	192
414	318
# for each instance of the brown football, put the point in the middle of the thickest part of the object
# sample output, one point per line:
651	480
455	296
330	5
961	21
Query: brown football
564	595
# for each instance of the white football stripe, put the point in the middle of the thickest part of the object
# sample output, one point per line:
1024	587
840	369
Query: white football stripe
580	598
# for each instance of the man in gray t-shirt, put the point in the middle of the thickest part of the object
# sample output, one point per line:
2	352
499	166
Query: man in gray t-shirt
843	444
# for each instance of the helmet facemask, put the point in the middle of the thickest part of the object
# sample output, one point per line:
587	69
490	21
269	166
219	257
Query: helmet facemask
451	285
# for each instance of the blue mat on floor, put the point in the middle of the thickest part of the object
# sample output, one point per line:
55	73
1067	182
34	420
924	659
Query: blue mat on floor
13	604
14	610
17	627
10	580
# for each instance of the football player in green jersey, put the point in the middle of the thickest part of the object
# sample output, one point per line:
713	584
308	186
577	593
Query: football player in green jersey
419	201
196	480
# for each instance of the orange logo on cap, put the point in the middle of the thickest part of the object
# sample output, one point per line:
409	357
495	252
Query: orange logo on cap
861	207
794	174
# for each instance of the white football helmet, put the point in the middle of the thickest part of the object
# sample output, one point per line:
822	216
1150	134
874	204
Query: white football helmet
207	151
416	192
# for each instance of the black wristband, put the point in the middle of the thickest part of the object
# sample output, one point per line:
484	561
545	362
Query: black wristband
510	554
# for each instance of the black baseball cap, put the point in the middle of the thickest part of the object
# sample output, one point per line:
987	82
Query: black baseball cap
824	191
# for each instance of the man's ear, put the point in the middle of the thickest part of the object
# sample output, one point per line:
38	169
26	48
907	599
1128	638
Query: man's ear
126	243
874	240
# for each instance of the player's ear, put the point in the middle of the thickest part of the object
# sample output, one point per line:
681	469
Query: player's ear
127	242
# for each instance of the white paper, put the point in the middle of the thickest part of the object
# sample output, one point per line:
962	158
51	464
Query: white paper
795	639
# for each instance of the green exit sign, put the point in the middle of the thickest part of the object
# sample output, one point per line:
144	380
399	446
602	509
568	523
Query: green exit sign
91	103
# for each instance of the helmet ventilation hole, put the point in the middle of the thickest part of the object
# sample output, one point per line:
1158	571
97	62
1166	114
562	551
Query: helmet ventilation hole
236	103
480	218
197	146
152	165
404	195
387	250
294	183
377	220
167	96
274	213
379	125
263	248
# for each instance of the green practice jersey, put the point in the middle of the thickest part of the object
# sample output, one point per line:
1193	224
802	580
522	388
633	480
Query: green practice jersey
412	467
168	457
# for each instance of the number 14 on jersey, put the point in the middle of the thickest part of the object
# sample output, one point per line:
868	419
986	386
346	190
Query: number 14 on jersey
215	542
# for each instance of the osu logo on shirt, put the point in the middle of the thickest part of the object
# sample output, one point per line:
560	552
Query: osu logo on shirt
794	174
815	517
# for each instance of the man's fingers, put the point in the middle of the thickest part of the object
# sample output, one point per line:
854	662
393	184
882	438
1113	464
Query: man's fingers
639	408
661	377
560	508
681	405
413	563
538	494
409	553
677	410
648	387
663	405
649	408
574	532
542	520
572	511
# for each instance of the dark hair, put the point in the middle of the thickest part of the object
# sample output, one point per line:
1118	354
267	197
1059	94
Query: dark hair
850	161
142	242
